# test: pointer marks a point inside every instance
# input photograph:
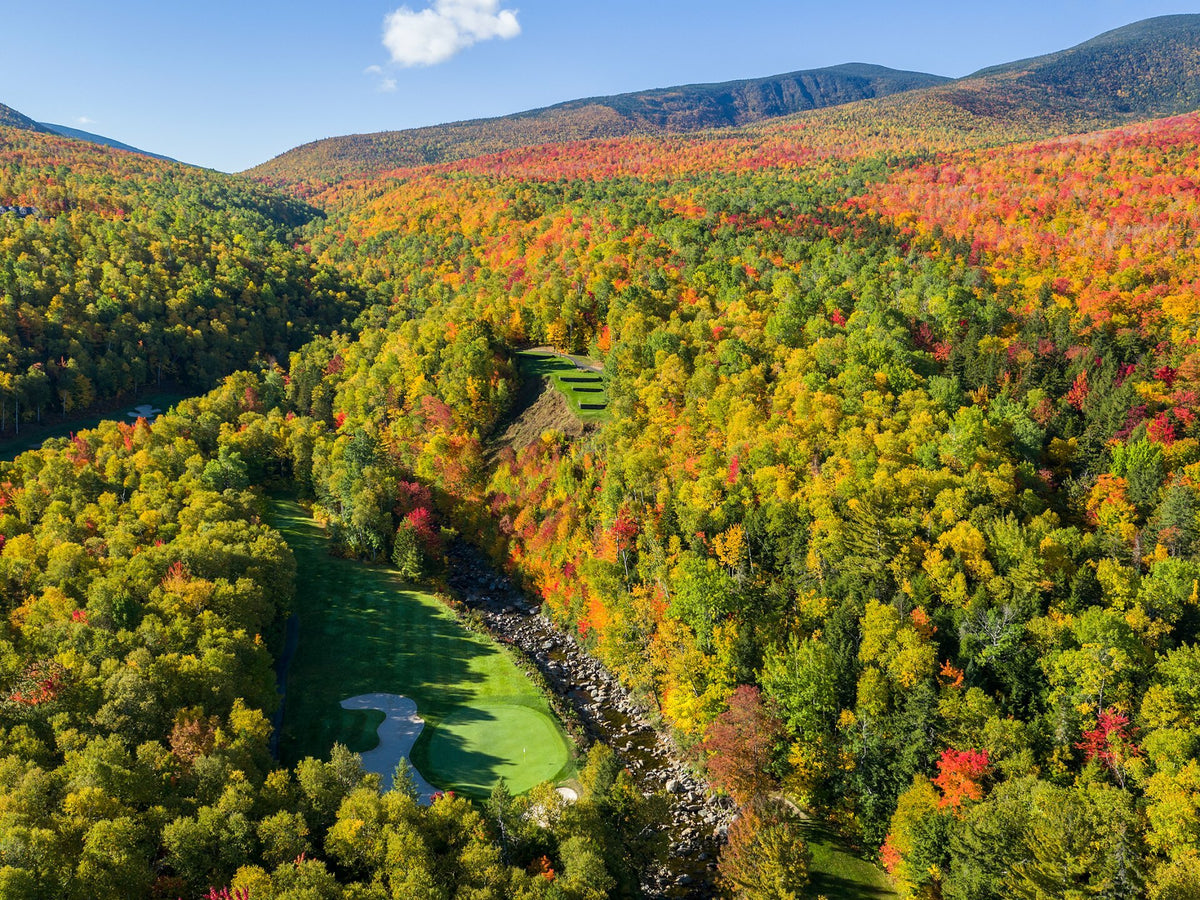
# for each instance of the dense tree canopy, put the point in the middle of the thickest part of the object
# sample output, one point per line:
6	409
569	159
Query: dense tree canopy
892	517
134	271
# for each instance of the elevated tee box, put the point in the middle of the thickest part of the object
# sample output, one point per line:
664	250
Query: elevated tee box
564	375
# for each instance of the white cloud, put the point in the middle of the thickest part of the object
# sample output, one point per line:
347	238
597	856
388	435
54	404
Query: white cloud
84	120
434	35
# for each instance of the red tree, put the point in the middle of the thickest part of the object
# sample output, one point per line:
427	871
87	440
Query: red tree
624	532
1111	743
959	773
740	743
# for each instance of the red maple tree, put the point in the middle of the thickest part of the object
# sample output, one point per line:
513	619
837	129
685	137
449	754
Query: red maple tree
959	774
1111	743
740	743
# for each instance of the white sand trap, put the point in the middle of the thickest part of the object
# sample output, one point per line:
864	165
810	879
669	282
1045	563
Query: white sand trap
568	794
397	734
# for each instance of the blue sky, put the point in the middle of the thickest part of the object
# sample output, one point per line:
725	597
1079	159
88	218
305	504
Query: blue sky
229	84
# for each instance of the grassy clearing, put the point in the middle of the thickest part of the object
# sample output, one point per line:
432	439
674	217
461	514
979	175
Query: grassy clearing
363	629
32	436
839	874
585	391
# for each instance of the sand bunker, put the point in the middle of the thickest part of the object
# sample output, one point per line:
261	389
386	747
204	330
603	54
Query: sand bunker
397	734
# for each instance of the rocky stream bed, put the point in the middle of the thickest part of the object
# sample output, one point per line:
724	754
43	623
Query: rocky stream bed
607	713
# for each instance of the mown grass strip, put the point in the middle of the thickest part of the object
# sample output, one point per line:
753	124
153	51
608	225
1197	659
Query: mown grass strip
585	391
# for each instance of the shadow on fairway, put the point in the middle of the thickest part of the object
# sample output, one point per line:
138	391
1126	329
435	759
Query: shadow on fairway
539	365
364	630
452	758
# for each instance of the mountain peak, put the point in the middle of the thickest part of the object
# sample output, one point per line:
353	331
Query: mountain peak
682	108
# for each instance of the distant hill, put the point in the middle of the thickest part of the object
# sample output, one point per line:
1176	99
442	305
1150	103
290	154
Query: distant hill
1141	71
153	272
79	135
665	110
10	118
698	106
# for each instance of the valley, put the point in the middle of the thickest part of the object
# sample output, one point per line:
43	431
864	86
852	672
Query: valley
777	488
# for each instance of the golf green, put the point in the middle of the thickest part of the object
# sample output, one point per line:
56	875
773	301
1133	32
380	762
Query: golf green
522	742
363	629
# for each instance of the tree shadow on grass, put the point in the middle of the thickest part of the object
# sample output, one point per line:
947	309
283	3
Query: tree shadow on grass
363	631
450	761
540	365
839	872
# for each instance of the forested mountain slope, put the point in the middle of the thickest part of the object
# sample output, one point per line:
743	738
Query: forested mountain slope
133	271
1144	70
80	135
894	518
667	110
1150	68
902	436
10	118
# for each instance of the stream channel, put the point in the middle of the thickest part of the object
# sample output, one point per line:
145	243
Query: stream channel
608	714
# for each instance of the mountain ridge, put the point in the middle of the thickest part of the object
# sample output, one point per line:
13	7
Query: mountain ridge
678	108
10	118
81	135
1148	69
1143	70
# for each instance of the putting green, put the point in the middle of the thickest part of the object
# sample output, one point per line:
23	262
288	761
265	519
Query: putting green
364	630
522	745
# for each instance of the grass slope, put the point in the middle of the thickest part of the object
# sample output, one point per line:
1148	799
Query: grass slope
584	390
839	874
364	630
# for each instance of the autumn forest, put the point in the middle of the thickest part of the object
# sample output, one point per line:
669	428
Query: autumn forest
888	517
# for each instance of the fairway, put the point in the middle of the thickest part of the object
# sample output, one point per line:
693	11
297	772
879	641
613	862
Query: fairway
363	630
